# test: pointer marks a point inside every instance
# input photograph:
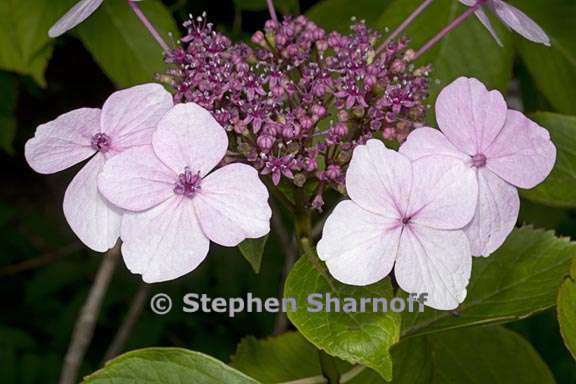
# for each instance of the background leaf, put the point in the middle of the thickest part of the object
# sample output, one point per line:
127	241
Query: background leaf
567	310
558	189
358	337
253	250
8	99
337	14
122	46
167	366
519	279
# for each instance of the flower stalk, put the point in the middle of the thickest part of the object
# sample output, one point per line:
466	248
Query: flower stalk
149	26
272	11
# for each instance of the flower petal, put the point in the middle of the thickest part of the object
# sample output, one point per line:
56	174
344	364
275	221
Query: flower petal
136	179
188	136
165	242
470	115
425	141
233	205
496	214
444	193
435	262
77	14
95	221
130	116
63	142
481	15
359	247
520	22
522	154
379	179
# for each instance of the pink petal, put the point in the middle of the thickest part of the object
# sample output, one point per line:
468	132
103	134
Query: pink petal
522	154
63	142
165	242
95	221
481	15
359	247
188	136
444	193
434	262
496	214
425	141
379	179
77	14
469	115
518	21
233	205
130	116
136	179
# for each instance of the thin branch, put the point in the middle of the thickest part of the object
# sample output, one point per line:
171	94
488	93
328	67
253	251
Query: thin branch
40	261
149	26
123	334
86	322
345	378
272	10
351	374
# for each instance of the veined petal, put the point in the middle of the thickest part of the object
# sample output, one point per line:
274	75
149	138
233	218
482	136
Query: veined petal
359	247
188	136
165	242
379	179
130	116
136	179
470	115
95	221
444	192
63	142
77	14
481	15
423	142
435	262
519	22
232	205
523	153
496	214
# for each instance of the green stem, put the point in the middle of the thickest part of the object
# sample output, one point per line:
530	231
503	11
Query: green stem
329	369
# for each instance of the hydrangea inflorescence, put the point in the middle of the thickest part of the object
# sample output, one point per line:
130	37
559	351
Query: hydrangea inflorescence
303	98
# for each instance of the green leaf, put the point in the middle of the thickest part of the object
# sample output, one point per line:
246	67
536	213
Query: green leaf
337	14
167	366
469	50
8	99
357	337
567	310
475	355
519	279
25	47
253	250
552	68
558	189
282	6
122	46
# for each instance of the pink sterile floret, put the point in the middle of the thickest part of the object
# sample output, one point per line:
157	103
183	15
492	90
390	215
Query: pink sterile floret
175	206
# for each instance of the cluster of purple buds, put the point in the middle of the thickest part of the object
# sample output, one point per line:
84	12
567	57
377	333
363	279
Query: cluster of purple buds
301	99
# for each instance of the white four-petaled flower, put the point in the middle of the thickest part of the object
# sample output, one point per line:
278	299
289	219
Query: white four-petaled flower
127	119
175	206
405	215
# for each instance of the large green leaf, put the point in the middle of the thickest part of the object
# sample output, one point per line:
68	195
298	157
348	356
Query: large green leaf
567	310
519	279
167	366
8	98
558	189
122	46
469	50
475	355
25	47
282	6
337	14
357	337
552	68
253	250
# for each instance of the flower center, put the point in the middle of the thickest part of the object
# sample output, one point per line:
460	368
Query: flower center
406	220
188	183
101	142
479	160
